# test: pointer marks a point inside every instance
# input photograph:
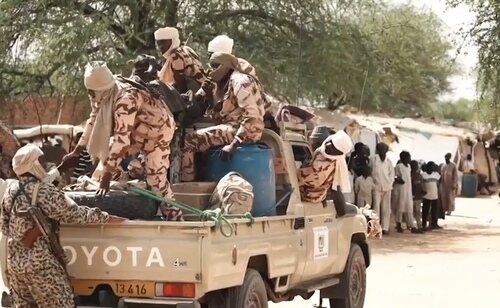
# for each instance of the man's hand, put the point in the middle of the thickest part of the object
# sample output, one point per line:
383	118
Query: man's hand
399	180
115	219
228	150
69	162
104	186
76	152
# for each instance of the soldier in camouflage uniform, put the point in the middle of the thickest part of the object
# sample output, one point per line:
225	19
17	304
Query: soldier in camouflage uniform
36	277
5	166
140	123
239	109
327	169
182	64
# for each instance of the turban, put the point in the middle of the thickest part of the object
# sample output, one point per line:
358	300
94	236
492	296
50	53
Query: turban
226	63
342	142
98	77
167	33
26	161
221	43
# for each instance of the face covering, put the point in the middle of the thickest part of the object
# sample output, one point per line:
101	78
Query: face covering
38	171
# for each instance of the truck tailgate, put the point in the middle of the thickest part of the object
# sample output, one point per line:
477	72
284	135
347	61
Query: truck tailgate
133	255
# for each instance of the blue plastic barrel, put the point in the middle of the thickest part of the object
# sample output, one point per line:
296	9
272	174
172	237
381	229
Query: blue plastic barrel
255	164
469	185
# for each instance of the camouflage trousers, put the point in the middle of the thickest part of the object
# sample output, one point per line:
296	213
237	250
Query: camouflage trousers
156	164
37	279
200	141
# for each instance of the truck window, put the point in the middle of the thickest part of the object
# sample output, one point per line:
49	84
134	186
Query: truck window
301	154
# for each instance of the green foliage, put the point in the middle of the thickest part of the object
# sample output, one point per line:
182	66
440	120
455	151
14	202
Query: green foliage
485	33
463	110
390	59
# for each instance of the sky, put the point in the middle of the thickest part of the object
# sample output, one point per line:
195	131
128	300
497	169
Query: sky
463	85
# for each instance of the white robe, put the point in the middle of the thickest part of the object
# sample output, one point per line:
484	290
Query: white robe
402	195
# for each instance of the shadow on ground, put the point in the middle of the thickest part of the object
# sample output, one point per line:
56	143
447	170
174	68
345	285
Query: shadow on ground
449	240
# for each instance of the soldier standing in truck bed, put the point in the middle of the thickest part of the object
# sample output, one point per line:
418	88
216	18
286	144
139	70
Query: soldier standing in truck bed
37	277
126	120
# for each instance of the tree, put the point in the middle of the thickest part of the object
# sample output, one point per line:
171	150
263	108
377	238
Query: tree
317	50
485	33
462	110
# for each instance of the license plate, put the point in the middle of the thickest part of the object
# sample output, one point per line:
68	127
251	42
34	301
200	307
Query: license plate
121	288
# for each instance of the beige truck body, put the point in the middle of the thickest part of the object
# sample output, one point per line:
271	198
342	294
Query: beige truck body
296	253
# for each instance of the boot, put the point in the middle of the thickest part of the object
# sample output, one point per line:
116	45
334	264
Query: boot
416	231
399	228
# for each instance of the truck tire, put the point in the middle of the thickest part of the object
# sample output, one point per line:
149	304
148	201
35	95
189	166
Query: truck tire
251	294
119	203
356	281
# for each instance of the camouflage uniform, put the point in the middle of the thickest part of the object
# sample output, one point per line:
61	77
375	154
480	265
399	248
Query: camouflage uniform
315	179
6	171
36	277
141	123
241	117
182	60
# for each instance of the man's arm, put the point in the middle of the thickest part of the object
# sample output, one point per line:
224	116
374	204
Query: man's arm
84	139
65	210
252	122
124	118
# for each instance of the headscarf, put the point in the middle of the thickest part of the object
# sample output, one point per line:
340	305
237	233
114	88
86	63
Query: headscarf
221	43
227	62
104	98
342	142
26	161
168	33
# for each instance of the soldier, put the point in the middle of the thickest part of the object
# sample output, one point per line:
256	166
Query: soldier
239	110
135	121
182	67
5	166
37	277
223	43
327	169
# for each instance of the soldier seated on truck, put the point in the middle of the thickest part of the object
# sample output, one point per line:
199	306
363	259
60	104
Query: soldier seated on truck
327	169
236	103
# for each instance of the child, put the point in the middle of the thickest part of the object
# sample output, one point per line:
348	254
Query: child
431	178
363	187
418	191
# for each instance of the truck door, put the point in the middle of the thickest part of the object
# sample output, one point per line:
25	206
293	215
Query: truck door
320	228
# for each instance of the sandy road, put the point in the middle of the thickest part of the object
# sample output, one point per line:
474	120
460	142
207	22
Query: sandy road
458	267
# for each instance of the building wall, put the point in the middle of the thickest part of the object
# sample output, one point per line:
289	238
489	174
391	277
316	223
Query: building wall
36	111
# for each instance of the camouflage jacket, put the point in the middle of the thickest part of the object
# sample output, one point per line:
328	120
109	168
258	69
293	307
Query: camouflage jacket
51	201
6	171
184	61
243	107
316	178
137	116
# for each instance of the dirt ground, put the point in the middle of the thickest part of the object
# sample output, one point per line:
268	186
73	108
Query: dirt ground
455	267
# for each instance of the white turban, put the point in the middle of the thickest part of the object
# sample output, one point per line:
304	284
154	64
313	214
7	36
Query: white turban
221	43
98	77
26	161
168	33
342	142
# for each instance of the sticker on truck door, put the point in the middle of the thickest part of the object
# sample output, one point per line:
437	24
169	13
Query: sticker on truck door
321	249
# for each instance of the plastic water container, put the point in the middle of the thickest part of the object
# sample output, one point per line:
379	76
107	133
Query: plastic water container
256	165
469	185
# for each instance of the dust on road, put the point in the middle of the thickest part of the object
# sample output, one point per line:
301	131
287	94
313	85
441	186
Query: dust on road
458	267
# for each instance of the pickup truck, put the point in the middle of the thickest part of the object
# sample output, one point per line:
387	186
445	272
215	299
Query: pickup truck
305	248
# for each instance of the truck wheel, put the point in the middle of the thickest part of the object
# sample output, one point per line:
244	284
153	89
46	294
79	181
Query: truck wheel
251	294
356	281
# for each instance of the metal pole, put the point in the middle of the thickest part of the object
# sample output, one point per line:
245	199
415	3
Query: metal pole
299	86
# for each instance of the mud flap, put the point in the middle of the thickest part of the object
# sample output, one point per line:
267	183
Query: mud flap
6	300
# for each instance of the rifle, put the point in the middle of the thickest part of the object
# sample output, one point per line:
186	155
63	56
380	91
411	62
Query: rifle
43	227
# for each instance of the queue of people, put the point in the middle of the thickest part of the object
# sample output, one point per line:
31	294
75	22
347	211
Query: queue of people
415	194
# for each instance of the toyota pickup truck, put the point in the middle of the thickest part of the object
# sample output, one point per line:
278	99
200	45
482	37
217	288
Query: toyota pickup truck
304	248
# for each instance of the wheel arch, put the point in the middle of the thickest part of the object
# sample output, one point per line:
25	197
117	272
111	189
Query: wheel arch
361	240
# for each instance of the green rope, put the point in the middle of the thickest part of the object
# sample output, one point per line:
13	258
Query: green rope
216	215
